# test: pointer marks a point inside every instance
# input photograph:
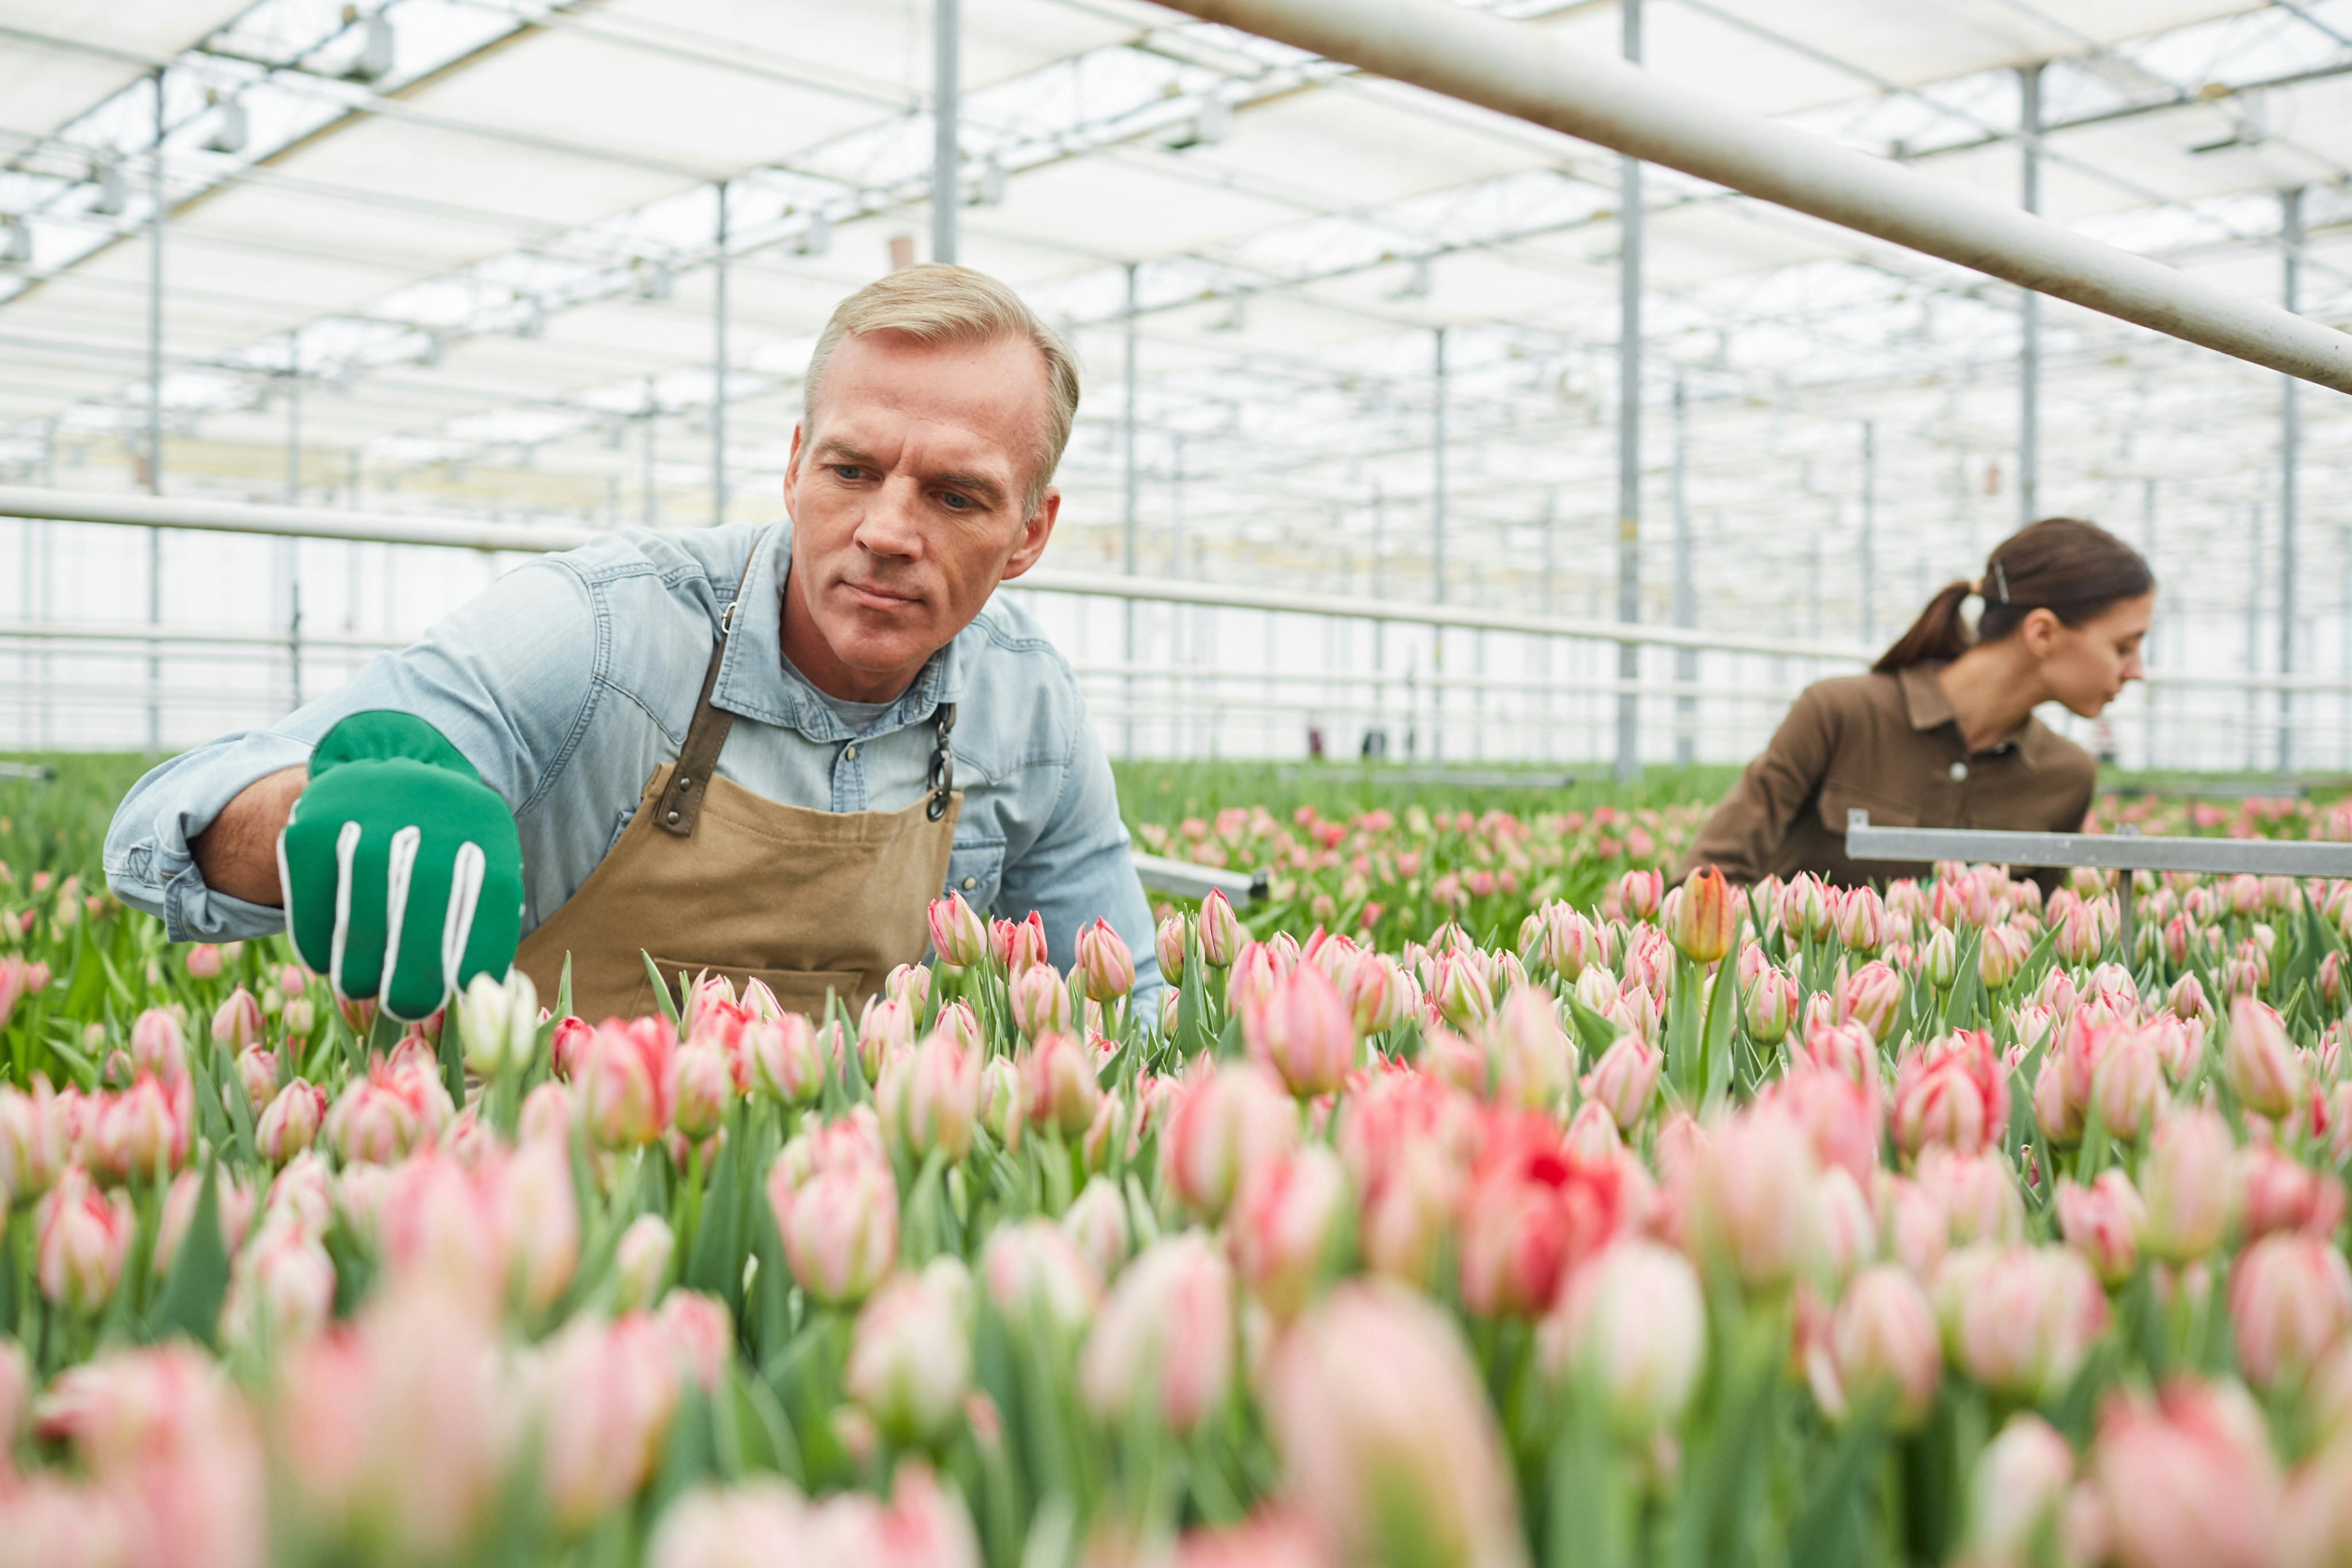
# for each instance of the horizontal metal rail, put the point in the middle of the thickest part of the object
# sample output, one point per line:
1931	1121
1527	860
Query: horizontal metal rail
1185	879
2106	852
1521	69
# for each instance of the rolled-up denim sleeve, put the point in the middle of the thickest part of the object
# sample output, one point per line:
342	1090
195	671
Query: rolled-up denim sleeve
507	678
1080	869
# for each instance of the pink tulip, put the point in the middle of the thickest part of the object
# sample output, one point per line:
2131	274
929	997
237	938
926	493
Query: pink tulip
1226	1119
1032	1268
1018	945
1842	1118
289	1121
1918	1228
1531	1215
886	1027
2177	1045
1220	931
929	1097
2187	1000
564	1047
2102	1221
1979	1194
1869	996
1281	1219
1953	1094
1096	1225
2188	1179
1707	920
1861	920
1625	1079
1382	994
910	1354
233	1211
237	1022
2189	1481
2128	1086
1570	941
257	1074
159	1046
1535	1062
958	935
840	1226
2019	1320
761	1521
1632	1326
1882	1348
782	1058
702	1087
1303	1032
1407	1466
2260	1061
1165	1340
1105	964
81	1238
1750	1197
1168	939
910	985
282	1290
2020	1482
2290	1300
438	1225
1772	1002
539	1213
610	1389
142	1130
2282	1195
2003	954
641	1262
33	1145
1039	1002
621	1084
1058	1085
204	961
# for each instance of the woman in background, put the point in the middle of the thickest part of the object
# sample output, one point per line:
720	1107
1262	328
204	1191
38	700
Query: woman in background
1941	732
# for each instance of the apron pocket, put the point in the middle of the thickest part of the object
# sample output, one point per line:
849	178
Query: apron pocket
799	990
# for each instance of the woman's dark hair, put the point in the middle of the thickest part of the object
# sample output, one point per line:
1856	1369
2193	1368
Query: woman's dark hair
2073	569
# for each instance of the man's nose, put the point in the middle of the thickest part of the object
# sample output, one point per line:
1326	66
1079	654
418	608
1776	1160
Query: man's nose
891	525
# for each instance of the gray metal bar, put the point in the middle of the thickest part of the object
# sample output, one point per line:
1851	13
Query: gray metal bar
2111	852
1629	424
1185	879
947	157
2290	456
2029	350
156	419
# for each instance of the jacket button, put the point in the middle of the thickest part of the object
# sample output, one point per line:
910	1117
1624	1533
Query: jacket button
970	883
851	754
1959	772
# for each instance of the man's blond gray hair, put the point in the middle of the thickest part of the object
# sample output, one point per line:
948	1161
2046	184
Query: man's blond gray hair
936	304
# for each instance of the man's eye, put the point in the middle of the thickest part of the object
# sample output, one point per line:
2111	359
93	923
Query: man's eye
849	471
954	502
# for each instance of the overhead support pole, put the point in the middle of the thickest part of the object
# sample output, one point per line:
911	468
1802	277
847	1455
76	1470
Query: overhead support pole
2147	553
1629	428
1127	435
1437	535
156	426
718	368
2029	309
2290	459
1521	69
947	108
1869	531
1686	591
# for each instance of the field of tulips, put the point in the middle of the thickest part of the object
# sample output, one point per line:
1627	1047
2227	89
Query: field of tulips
1650	1225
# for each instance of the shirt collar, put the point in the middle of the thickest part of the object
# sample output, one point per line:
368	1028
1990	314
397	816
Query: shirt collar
754	683
1929	709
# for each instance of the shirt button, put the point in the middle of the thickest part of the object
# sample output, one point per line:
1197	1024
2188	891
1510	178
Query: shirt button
852	753
970	883
1959	772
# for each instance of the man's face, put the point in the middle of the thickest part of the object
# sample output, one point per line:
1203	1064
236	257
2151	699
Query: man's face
906	501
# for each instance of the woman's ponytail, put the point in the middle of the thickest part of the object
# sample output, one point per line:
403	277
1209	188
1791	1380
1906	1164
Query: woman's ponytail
1938	636
2073	569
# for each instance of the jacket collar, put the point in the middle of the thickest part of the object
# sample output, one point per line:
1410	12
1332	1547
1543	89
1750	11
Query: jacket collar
1929	709
754	683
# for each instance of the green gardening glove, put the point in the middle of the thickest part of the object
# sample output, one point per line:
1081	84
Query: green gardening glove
402	871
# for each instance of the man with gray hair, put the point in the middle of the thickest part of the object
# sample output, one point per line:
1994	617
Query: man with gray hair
759	750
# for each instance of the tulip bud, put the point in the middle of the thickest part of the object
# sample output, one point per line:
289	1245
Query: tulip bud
2014	1493
34	1144
885	1027
1939	959
236	1022
908	985
1862	920
2102	1221
2187	1000
1631	1325
1163	1344
1954	1094
2188	1181
929	1097
2290	1300
290	1121
1032	1268
840	1228
1303	1032
1407	1466
958	935
1281	1217
2260	1061
1096	1223
1571	942
1883	1349
82	1238
2000	955
1039	1002
282	1290
1384	996
2282	1195
2127	1086
1058	1083
1707	921
1871	996
621	1084
1168	946
158	1046
498	1023
911	1352
2021	1319
142	1130
1227	1119
2189	1479
641	1262
1536	1065
539	1214
1625	1079
702	1086
1105	965
232	1207
204	961
1978	1192
1220	931
1018	945
1773	1003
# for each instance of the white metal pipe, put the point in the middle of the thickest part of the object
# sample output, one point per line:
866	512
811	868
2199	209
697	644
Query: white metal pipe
1630	222
2290	460
1521	69
946	110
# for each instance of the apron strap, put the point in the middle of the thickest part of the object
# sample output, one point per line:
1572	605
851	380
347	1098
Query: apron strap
681	802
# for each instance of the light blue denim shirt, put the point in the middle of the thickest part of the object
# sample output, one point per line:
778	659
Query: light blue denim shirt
575	675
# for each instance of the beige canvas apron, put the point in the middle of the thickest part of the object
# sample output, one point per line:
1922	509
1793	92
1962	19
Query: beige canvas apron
709	875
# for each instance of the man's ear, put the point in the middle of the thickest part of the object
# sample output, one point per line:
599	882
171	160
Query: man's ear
1035	534
792	476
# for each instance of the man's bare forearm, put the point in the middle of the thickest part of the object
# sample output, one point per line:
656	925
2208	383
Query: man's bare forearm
237	854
